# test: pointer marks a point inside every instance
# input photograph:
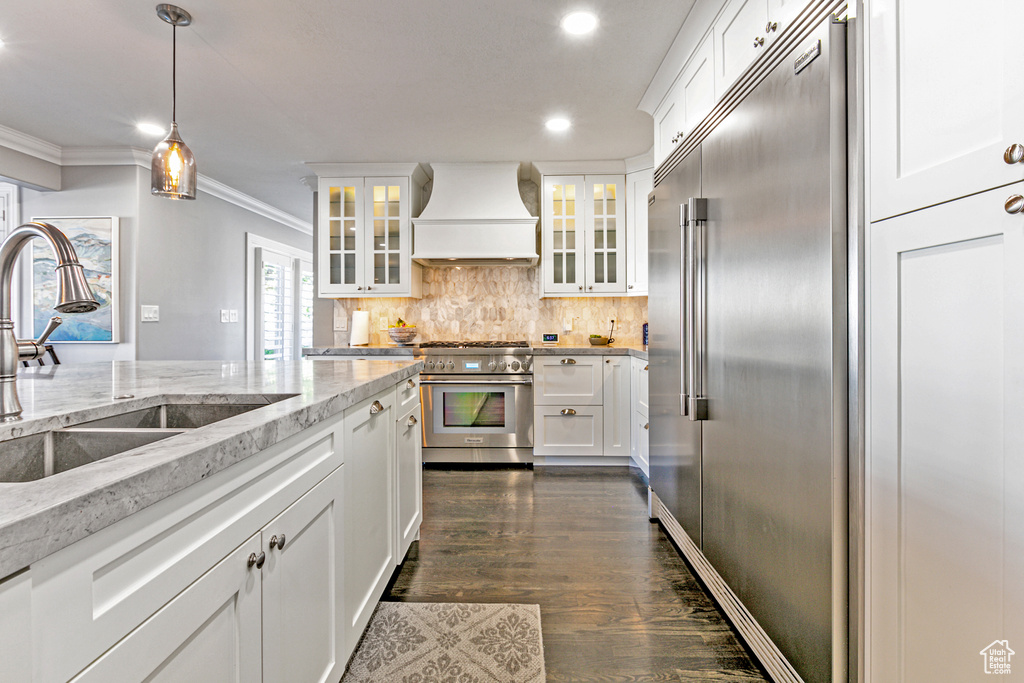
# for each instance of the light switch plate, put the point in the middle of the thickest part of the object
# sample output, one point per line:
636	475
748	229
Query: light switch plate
340	320
233	313
150	314
225	315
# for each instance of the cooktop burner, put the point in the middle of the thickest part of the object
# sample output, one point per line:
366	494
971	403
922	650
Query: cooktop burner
474	344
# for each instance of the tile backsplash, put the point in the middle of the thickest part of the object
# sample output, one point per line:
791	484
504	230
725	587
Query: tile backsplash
499	303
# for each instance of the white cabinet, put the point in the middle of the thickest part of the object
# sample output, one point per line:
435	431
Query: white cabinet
945	449
568	379
945	101
408	477
740	37
584	242
688	102
303	609
617	406
370	556
364	238
639	412
209	633
568	431
638	185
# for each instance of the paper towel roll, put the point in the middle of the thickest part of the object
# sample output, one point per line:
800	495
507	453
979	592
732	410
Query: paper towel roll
360	329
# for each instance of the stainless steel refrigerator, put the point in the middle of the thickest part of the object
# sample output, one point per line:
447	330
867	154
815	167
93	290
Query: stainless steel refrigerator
748	351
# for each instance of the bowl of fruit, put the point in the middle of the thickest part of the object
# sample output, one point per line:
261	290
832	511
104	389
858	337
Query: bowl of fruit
598	340
401	332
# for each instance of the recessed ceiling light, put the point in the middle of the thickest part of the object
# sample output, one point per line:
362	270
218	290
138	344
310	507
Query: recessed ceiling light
1	42
151	129
579	23
558	124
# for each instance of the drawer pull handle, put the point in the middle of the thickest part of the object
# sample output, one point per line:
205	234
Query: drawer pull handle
1014	154
568	361
412	421
1015	204
277	542
410	384
376	407
257	560
568	411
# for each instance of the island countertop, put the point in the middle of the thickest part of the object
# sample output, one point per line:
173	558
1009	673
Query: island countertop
39	517
537	348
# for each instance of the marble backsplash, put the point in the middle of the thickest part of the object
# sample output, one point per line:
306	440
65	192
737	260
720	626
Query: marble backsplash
500	303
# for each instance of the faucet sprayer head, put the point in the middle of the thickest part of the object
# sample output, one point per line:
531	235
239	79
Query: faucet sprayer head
74	294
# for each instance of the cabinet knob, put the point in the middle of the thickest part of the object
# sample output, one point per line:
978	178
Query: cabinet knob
647	425
1014	204
771	27
647	367
629	286
568	361
581	288
568	411
412	421
1014	154
410	384
359	289
257	560
758	41
368	288
277	542
376	407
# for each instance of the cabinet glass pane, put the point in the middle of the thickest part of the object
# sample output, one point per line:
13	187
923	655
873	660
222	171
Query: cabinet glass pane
350	241
598	235
393	269
335	241
610	231
350	269
393	235
557	242
394	196
559	278
599	267
570	267
335	269
611	268
334	210
570	234
350	202
378	268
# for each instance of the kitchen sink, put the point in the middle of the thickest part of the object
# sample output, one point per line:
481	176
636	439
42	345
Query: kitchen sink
33	457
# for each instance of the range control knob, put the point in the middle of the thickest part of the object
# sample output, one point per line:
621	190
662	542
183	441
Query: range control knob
526	366
515	365
430	365
502	365
451	365
492	366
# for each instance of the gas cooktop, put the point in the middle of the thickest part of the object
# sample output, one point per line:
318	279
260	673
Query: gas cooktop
474	345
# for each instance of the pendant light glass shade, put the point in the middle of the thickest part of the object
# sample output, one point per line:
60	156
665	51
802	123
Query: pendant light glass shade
173	173
174	168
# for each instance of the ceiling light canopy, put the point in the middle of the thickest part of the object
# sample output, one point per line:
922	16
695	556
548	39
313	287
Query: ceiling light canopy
579	23
558	124
173	172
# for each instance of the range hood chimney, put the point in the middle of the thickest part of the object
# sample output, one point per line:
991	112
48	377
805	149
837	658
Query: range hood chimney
475	217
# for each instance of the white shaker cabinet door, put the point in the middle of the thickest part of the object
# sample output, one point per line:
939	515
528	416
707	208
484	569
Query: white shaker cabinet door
210	633
945	100
303	609
618	414
369	534
739	36
945	439
408	479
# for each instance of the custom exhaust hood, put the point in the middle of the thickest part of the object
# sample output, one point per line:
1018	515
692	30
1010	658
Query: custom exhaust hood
475	217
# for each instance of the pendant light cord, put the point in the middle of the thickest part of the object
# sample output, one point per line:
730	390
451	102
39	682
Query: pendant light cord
174	73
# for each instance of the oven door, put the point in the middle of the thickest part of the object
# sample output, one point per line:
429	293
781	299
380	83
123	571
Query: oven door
477	411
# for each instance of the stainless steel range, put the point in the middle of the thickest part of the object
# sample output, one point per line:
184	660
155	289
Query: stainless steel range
477	400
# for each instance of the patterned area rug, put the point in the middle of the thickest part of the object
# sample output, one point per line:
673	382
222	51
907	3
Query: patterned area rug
444	642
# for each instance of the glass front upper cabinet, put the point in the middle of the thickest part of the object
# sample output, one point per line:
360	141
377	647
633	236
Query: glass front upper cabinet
584	245
365	241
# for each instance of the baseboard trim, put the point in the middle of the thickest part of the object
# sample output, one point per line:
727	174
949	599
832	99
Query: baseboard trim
768	654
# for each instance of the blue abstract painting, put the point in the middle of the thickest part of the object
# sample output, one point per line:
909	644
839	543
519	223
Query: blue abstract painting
95	242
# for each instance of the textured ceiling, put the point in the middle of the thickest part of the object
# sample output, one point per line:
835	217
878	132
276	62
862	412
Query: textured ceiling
266	85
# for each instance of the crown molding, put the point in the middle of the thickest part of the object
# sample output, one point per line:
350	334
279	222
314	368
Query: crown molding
105	156
26	144
641	162
230	194
419	174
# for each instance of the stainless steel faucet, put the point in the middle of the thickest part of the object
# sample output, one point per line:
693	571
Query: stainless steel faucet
74	296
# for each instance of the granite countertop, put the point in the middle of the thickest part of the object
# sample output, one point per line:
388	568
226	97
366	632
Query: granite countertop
40	517
537	348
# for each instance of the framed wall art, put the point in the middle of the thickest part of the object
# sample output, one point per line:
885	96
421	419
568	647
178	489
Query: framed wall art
95	241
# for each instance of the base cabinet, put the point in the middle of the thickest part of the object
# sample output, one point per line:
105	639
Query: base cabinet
640	432
370	556
568	430
408	479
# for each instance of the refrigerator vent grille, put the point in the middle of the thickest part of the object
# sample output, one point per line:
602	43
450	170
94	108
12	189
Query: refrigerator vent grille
773	661
801	27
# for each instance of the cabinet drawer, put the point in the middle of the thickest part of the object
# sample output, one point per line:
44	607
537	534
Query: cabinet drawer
93	593
568	430
568	379
408	393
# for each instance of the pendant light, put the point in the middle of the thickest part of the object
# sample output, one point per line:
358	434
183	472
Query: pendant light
174	168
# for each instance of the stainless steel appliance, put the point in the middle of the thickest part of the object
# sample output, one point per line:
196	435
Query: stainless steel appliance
477	402
748	352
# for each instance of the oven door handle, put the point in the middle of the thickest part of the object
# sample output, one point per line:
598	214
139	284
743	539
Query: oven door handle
478	381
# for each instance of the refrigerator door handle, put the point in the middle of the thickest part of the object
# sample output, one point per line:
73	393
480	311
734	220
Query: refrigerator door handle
684	318
697	307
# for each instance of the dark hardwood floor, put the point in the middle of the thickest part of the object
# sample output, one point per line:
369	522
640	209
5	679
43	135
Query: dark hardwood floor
617	601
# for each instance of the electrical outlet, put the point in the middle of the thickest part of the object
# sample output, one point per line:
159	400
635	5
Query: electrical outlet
234	315
567	325
382	323
225	315
150	314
